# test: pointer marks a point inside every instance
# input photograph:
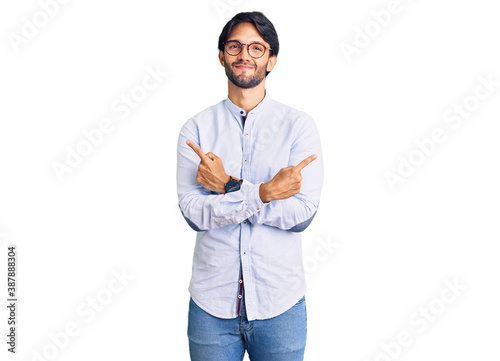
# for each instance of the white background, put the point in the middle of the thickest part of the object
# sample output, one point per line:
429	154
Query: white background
117	210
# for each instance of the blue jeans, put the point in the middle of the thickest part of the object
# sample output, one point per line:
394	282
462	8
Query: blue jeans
281	338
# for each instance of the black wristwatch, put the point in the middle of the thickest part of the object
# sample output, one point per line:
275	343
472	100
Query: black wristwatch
233	185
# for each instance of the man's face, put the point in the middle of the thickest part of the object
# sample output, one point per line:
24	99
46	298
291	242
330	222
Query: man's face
243	70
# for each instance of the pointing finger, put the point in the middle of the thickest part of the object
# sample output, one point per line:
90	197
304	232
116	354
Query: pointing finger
197	150
305	162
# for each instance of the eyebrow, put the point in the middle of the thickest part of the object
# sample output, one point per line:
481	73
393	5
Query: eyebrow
251	42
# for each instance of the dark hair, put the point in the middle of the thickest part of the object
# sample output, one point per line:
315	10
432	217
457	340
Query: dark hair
261	22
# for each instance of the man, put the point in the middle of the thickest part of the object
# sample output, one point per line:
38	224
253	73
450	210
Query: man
248	197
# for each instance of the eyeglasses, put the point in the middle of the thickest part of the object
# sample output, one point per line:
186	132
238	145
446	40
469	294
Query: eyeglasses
255	50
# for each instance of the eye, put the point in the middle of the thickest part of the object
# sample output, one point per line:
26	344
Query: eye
233	45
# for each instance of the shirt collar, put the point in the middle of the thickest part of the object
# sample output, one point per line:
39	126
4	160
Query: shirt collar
238	112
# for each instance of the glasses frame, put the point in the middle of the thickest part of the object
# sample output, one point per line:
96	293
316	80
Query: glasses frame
248	48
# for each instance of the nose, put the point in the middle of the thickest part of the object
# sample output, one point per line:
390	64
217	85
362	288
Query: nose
243	55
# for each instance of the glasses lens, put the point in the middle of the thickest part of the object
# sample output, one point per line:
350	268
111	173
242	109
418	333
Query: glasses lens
256	50
233	47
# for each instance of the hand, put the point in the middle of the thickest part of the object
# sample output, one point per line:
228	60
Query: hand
286	182
211	173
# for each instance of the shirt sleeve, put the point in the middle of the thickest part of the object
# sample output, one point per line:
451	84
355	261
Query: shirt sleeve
296	213
203	209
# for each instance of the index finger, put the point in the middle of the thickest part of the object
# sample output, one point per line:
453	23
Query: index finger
306	161
197	150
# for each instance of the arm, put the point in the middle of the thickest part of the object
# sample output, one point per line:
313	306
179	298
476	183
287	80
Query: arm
295	213
201	208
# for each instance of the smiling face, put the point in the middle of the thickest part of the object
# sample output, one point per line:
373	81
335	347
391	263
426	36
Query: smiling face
243	70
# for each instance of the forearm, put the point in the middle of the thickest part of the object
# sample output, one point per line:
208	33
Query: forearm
204	211
293	214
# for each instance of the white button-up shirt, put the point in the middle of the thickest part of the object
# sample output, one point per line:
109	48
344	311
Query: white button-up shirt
237	228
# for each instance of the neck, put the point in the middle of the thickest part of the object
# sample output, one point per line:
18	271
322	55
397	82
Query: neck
247	99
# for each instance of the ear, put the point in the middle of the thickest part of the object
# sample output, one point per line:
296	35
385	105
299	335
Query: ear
271	62
221	57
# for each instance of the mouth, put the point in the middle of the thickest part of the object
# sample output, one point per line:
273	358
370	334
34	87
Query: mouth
243	67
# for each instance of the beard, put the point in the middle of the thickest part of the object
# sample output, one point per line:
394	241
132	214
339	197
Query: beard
246	81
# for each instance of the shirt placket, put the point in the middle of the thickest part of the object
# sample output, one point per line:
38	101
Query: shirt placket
245	231
240	295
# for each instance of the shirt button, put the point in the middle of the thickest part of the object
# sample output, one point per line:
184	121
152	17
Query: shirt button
244	160
244	252
241	281
246	134
239	296
258	208
241	111
245	222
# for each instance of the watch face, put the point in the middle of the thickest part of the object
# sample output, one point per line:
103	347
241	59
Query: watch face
232	185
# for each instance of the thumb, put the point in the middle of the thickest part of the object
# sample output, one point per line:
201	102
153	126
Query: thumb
211	155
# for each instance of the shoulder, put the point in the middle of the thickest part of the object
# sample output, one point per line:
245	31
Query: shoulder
208	113
296	117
